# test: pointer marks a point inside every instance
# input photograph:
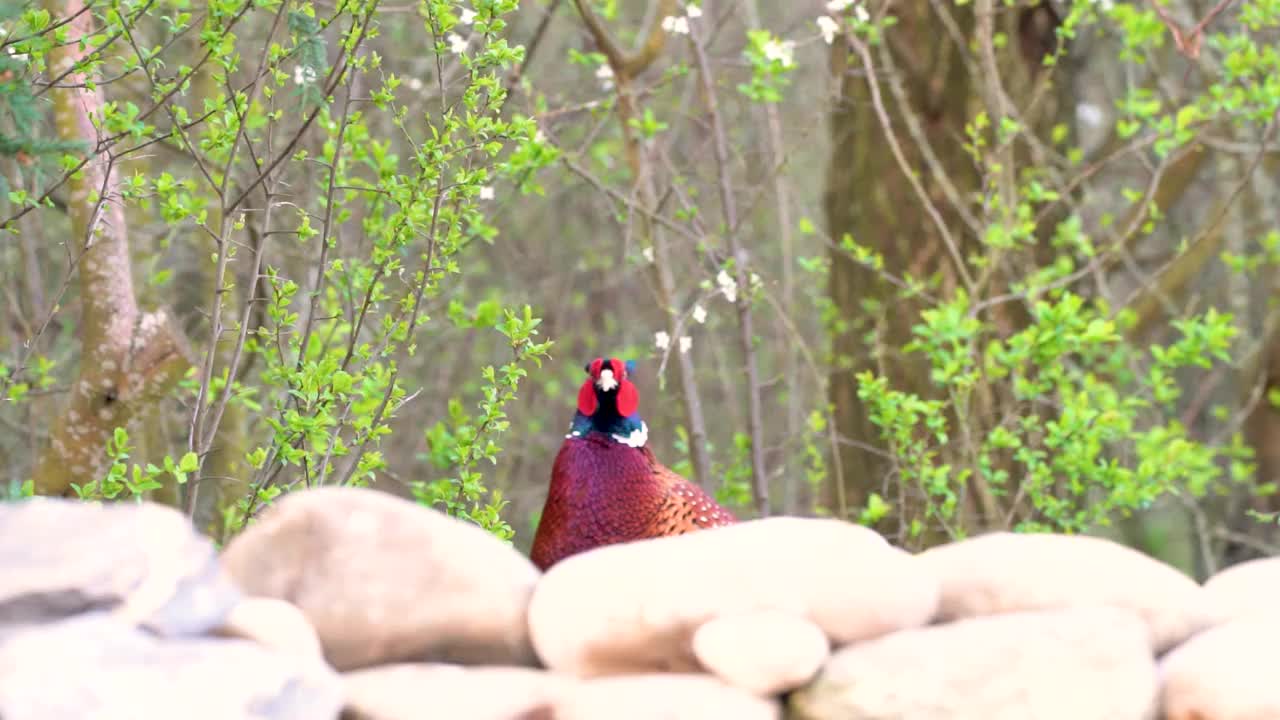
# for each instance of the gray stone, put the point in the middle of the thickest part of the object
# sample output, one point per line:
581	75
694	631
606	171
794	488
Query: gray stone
1005	572
1077	664
634	607
766	652
429	691
142	563
669	696
384	580
1243	590
1225	672
275	624
95	666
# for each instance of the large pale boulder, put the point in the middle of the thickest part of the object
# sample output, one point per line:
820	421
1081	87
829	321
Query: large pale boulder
635	607
765	651
1225	673
1008	572
272	623
1079	664
1242	590
94	666
436	692
666	696
384	580
142	563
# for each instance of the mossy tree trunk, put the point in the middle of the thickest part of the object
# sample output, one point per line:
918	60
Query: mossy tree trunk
129	358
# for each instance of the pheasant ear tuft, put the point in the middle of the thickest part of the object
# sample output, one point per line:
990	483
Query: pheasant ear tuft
587	399
628	399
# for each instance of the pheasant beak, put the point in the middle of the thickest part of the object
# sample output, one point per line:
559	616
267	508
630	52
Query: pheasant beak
606	381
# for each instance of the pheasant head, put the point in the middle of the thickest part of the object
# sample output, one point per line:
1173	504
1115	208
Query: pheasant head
609	403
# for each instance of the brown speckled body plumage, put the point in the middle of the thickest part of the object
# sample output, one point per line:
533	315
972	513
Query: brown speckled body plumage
605	492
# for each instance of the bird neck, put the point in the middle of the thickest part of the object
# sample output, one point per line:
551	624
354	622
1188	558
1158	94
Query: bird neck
631	431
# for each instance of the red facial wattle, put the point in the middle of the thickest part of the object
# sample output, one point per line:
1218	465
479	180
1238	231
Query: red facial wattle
628	399
587	403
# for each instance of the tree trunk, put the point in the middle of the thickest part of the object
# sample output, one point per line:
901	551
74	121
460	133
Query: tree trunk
128	358
886	216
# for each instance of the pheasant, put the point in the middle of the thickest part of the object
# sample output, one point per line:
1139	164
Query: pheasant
606	485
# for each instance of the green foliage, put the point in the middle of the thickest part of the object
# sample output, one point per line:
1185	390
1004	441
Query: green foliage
299	164
38	373
1045	406
20	108
1082	438
334	383
735	476
466	441
14	491
125	481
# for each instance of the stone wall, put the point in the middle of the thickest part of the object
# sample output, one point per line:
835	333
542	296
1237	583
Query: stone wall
354	604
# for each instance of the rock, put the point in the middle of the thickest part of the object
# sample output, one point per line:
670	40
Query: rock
142	563
1008	572
665	696
94	666
634	607
1224	673
385	580
1077	664
1243	589
766	652
426	691
272	623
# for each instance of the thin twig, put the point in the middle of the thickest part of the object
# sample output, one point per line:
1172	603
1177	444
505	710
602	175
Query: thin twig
746	329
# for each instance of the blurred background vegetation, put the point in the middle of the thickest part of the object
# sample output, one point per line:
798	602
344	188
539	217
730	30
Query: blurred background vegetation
940	267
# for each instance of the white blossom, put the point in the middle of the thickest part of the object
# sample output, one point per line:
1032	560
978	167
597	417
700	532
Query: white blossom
727	286
303	75
676	24
828	27
782	51
647	253
1090	114
662	339
468	16
604	74
836	6
486	192
457	43
699	314
860	14
686	342
414	83
693	11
